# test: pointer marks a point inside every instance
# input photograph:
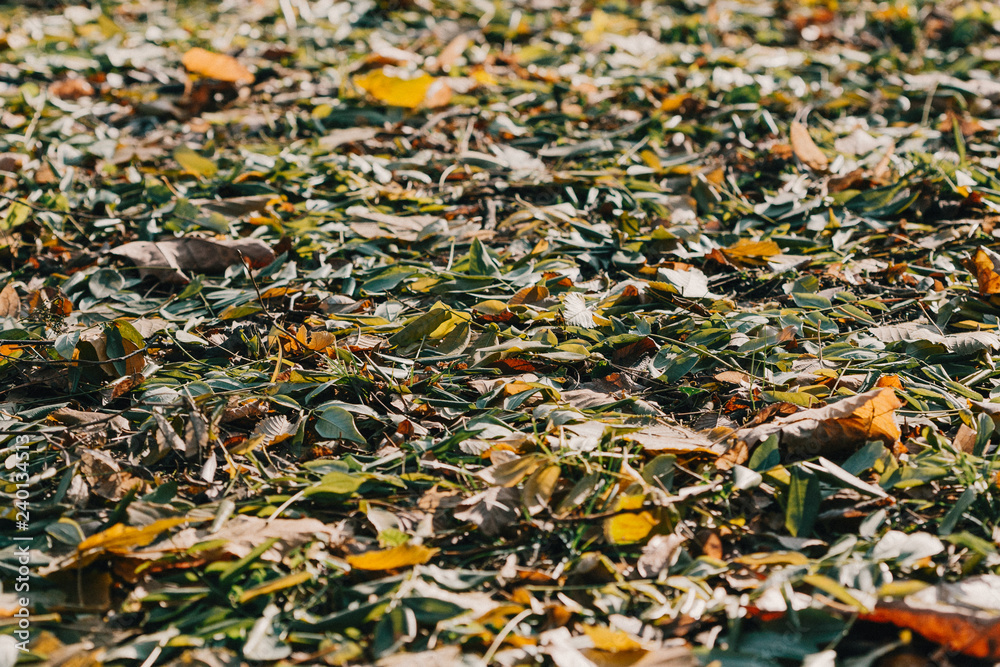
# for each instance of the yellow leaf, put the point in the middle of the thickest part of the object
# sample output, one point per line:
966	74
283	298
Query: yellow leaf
411	93
806	150
628	528
406	555
276	585
606	639
119	538
194	162
750	252
216	66
773	558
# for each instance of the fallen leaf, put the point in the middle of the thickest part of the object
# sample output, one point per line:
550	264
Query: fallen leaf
10	303
492	510
71	89
806	150
406	555
168	260
674	439
986	267
410	93
838	428
962	616
750	253
216	66
628	528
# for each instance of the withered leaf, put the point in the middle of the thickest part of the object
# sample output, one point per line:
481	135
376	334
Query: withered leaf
836	429
171	260
806	150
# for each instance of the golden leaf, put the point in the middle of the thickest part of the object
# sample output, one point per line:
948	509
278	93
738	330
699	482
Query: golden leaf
216	66
423	89
606	639
119	538
628	528
405	555
753	253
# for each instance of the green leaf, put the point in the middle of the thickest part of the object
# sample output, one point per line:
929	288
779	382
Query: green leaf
954	514
481	262
803	499
416	329
806	300
336	423
195	162
766	455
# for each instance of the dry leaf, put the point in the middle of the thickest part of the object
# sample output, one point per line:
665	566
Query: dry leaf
10	304
674	439
751	253
530	294
71	89
964	616
216	66
806	150
168	260
986	267
492	510
106	476
835	429
241	534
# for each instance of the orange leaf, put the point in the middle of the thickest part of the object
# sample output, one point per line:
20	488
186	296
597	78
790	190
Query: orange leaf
753	253
837	428
889	381
532	294
216	66
960	616
986	265
806	150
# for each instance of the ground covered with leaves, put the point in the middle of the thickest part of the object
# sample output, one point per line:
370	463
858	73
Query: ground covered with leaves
491	332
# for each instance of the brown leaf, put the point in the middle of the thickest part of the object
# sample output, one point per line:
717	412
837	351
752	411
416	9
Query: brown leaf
806	150
626	355
674	439
835	429
453	51
216	66
71	89
962	616
241	534
531	294
105	476
10	304
986	267
492	510
168	260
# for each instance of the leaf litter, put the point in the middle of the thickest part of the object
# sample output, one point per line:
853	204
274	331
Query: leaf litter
502	333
